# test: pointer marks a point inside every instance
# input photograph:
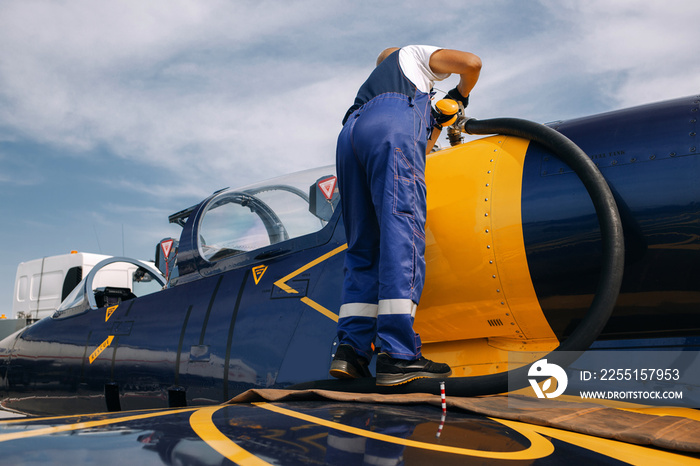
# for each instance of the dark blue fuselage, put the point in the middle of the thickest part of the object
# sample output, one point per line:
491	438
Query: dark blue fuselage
649	156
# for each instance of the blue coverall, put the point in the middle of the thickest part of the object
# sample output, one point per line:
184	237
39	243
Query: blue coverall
381	178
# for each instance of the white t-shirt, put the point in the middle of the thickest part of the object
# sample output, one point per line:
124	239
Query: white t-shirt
415	64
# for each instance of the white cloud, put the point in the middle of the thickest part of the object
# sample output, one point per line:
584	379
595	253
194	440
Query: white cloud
215	91
181	86
641	51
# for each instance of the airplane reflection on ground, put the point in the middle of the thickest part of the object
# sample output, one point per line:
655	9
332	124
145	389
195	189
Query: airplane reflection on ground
315	432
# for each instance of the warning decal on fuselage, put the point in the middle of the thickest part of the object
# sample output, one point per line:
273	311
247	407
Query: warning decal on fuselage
258	272
327	187
110	311
166	246
105	344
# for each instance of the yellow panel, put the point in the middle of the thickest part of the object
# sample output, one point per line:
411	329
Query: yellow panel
480	357
511	261
478	284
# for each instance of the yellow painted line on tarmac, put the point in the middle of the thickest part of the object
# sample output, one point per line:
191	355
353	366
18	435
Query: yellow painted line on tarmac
622	451
203	425
81	425
539	447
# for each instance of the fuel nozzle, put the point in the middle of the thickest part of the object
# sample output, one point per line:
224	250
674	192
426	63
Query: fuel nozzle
454	135
450	113
456	128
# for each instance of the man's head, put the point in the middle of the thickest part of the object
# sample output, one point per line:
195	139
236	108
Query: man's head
385	53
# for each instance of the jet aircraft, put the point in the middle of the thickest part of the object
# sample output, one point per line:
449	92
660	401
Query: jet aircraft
542	240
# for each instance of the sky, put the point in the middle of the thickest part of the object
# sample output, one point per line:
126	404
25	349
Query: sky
114	115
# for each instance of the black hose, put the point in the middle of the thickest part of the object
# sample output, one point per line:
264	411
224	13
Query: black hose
607	290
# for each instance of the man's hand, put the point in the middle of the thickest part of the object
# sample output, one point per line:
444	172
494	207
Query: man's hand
456	96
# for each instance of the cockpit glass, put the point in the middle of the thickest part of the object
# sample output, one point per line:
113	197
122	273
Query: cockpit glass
248	218
110	282
75	299
231	227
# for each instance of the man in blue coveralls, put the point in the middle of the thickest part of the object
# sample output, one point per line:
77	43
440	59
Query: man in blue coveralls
381	176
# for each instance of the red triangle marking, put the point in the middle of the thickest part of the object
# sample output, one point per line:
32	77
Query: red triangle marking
166	246
328	187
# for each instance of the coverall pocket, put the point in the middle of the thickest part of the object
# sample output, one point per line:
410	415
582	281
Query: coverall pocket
404	185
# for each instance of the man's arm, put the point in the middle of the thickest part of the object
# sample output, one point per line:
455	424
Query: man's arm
465	64
434	135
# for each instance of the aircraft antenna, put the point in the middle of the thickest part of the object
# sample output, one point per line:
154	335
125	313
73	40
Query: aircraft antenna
94	228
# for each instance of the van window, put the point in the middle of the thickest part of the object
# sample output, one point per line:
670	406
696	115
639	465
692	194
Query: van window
22	288
73	277
48	284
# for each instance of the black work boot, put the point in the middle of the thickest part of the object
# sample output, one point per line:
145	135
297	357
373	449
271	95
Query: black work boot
347	364
392	371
